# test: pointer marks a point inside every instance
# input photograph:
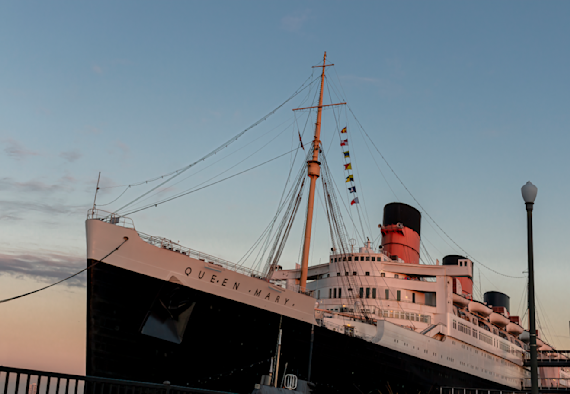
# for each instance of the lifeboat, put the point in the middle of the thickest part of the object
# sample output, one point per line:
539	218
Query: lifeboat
539	343
460	301
544	348
498	319
477	307
514	329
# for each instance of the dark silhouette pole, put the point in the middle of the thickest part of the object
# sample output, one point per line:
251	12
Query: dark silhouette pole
529	195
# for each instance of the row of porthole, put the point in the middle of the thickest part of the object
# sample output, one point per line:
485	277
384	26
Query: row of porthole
453	360
472	367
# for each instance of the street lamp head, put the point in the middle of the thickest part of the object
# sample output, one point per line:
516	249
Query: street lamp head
529	193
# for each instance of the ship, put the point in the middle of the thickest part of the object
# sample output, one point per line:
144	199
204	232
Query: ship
370	319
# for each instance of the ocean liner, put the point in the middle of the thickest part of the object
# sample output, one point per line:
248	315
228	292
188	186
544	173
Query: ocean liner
371	319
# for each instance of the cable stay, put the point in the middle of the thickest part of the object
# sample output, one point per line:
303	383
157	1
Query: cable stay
184	193
178	172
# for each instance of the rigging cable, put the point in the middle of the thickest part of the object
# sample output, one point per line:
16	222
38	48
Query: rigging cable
223	172
204	187
351	161
333	182
423	209
125	239
410	193
223	146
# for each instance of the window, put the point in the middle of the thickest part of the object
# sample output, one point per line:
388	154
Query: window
334	293
382	274
349	258
367	258
374	292
373	258
330	293
486	338
398	295
414	298
331	259
344	259
346	274
318	294
361	292
396	276
354	273
339	292
338	274
368	292
367	273
361	258
387	292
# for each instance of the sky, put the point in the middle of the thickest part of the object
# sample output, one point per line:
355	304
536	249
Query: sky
465	101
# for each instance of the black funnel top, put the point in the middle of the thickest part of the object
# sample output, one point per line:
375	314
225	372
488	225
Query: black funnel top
452	259
496	298
396	212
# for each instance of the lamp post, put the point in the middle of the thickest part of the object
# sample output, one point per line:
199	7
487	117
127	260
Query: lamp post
529	195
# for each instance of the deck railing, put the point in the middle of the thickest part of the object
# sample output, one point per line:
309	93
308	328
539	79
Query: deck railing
346	329
552	356
456	390
168	244
25	381
110	217
550	384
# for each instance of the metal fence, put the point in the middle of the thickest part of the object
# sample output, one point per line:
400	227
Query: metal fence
25	381
555	358
550	384
454	390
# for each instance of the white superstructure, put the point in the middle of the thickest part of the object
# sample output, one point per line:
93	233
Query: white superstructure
413	308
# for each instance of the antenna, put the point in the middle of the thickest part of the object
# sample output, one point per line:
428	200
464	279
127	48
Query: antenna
95	199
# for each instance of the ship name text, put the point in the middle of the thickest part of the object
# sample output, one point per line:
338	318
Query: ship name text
224	282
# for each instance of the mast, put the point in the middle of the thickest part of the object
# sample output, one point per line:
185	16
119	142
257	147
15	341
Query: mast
314	171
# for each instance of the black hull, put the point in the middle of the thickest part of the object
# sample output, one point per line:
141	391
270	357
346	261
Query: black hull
227	345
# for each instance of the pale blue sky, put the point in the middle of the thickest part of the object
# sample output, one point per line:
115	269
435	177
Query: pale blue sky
466	100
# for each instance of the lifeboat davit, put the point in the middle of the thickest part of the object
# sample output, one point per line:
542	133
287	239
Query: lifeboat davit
481	309
498	319
514	329
460	301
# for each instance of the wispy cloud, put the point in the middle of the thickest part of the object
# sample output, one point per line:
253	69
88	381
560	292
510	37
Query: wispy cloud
71	155
47	267
92	130
16	209
9	184
16	150
124	148
295	23
12	207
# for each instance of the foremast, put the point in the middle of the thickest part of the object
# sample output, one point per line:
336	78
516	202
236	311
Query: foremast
314	171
